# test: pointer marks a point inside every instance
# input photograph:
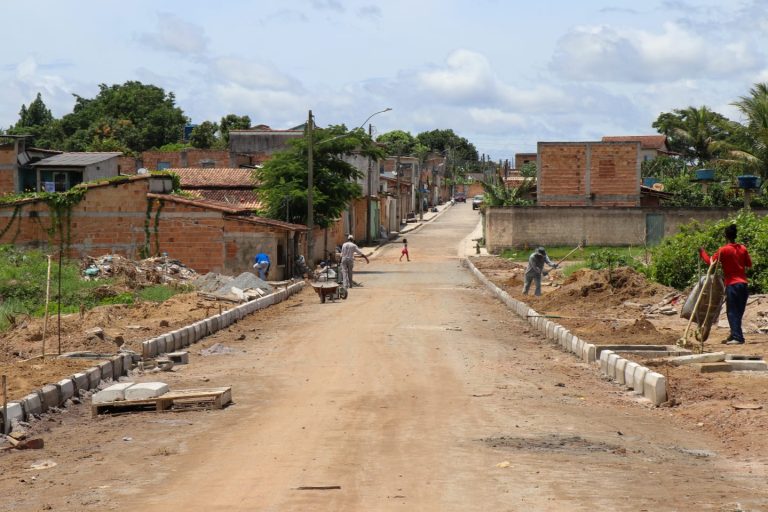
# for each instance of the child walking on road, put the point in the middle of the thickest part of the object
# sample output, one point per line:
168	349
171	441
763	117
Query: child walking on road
404	252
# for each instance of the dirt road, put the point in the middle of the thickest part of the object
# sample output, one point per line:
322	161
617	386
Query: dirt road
420	392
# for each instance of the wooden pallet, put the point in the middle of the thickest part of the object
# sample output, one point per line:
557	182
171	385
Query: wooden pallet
182	400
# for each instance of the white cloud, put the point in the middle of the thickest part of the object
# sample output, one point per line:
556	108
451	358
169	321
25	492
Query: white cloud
496	118
251	73
605	54
176	35
370	11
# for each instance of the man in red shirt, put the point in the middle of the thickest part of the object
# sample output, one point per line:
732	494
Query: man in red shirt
734	258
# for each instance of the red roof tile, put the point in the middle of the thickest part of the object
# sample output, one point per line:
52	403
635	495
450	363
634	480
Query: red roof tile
215	177
233	197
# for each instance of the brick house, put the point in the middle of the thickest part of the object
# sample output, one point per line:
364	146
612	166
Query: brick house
61	172
588	174
651	146
137	216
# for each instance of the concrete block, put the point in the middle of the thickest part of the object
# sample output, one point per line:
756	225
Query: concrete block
639	379
604	361
211	324
186	335
149	348
32	405
611	365
106	370
589	352
117	367
629	374
160	342
198	332
179	357
146	390
714	357
67	389
112	393
578	347
621	366
655	388
81	381
15	412
49	396
94	377
127	363
551	330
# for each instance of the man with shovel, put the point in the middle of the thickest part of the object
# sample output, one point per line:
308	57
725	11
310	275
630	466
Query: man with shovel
535	270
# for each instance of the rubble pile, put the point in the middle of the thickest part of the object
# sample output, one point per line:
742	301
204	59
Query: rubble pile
242	288
158	270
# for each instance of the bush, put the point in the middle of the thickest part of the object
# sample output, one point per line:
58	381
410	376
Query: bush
676	262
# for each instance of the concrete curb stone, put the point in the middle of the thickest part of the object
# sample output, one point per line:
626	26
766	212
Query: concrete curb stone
655	387
639	380
621	366
106	370
613	358
67	389
32	404
15	412
629	374
50	396
81	381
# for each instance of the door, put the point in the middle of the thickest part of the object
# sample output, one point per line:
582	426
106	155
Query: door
654	228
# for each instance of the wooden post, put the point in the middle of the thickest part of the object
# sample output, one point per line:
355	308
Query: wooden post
5	405
47	300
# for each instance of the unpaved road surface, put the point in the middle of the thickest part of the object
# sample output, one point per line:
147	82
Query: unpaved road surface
418	393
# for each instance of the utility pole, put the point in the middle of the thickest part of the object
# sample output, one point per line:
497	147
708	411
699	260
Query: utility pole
310	186
368	198
397	188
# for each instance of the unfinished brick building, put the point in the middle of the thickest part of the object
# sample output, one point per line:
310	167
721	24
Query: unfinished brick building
138	216
588	174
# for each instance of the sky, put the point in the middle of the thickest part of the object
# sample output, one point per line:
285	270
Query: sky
502	73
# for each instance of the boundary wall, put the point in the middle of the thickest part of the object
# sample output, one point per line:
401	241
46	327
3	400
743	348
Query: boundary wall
641	380
52	396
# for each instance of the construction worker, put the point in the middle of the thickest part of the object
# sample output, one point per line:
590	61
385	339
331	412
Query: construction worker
735	260
348	251
262	263
535	270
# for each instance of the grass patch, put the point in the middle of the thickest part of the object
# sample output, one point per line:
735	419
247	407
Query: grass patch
570	269
558	252
158	293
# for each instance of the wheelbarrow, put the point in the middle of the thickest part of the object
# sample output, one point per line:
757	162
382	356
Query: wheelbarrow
329	290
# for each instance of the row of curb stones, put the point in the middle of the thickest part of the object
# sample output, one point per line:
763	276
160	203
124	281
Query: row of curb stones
640	379
52	396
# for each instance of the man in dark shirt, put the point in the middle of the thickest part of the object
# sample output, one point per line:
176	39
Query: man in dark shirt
735	261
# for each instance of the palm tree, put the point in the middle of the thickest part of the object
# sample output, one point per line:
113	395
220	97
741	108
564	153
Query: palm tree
699	134
754	107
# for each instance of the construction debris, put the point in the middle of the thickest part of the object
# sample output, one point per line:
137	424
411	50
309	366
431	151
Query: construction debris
160	270
242	288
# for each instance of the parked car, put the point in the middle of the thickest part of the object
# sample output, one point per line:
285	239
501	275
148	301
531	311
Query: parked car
460	198
477	201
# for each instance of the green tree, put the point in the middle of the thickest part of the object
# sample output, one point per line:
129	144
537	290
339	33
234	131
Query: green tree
203	136
37	114
233	122
283	179
498	194
442	141
528	170
138	116
37	121
398	142
698	134
753	150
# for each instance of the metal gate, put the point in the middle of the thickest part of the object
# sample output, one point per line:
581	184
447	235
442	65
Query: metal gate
654	228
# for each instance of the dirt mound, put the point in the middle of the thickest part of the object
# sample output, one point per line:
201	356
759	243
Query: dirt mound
137	274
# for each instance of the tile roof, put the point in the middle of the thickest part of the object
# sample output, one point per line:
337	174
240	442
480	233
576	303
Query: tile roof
244	214
233	197
76	159
215	177
658	142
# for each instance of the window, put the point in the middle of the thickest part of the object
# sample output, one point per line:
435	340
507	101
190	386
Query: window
207	164
280	253
163	165
60	181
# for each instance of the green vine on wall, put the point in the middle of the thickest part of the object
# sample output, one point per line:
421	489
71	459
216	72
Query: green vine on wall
157	225
144	251
14	216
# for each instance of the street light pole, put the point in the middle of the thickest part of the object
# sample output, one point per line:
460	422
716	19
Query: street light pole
310	186
310	176
368	196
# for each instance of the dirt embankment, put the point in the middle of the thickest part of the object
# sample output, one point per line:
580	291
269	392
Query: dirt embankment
623	307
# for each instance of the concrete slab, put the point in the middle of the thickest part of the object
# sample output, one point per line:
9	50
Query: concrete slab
714	357
50	397
655	388
15	413
32	405
629	374
81	381
67	389
146	390
621	366
179	357
655	350
639	380
112	393
94	377
742	357
733	366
